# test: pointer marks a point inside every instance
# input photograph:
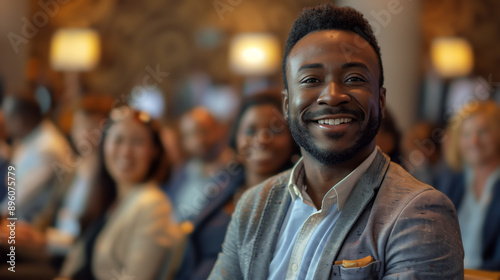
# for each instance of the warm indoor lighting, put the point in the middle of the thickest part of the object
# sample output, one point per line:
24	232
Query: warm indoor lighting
74	49
452	56
254	54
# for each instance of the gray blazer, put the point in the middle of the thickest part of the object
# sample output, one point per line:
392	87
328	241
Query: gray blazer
408	227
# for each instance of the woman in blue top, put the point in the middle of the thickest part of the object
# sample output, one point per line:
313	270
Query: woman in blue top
473	151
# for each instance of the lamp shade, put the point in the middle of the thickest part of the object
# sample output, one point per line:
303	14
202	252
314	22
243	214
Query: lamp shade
452	56
254	54
74	49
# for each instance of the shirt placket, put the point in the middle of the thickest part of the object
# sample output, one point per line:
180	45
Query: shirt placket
308	228
300	244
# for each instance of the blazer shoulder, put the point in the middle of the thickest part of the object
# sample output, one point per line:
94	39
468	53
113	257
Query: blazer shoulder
399	189
412	220
399	186
398	179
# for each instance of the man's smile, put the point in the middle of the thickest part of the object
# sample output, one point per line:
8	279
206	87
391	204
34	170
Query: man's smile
334	120
334	123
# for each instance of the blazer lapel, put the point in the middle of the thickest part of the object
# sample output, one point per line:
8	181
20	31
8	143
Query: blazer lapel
268	230
360	196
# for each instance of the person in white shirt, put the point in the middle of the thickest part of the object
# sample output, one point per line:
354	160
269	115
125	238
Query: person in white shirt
39	150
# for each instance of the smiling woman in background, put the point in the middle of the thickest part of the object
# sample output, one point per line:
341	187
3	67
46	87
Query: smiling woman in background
128	230
265	147
473	151
263	141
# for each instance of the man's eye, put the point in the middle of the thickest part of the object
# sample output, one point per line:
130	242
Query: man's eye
355	79
310	81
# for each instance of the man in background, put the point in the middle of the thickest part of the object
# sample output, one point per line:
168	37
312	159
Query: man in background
38	150
191	186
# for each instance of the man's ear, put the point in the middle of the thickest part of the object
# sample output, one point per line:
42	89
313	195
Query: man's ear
381	97
284	93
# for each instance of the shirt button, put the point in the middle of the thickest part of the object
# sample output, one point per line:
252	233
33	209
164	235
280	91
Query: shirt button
295	267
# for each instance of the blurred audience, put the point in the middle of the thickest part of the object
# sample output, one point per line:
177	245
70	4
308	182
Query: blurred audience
51	233
128	227
473	151
422	152
39	150
389	138
262	138
169	135
4	158
202	138
5	151
60	217
264	147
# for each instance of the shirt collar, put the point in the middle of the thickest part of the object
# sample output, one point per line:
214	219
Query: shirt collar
337	194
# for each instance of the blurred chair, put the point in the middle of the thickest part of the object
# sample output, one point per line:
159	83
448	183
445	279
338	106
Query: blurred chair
475	274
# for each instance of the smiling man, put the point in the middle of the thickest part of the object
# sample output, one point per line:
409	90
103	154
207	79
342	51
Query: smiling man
344	211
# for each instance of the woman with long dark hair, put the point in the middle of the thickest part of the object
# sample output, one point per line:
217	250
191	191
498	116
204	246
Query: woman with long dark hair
127	226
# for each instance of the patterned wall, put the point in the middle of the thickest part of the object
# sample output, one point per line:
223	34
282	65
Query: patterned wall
178	36
173	36
477	21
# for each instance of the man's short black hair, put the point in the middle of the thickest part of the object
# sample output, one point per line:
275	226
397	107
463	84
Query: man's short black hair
330	17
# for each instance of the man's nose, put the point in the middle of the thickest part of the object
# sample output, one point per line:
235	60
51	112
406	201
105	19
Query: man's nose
333	95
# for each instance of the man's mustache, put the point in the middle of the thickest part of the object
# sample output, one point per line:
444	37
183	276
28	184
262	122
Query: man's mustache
359	115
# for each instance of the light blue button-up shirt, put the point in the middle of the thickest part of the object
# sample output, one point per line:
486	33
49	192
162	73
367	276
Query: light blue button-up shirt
306	229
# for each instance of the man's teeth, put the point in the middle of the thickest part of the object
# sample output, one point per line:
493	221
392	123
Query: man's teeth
335	121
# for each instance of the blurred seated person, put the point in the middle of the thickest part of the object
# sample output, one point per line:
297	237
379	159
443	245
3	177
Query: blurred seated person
60	217
53	230
128	227
264	148
389	138
4	158
473	151
422	152
169	135
202	138
39	150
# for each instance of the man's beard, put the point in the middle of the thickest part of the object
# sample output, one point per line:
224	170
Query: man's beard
304	138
